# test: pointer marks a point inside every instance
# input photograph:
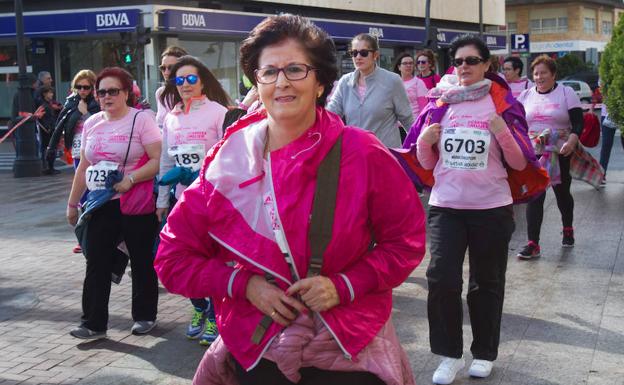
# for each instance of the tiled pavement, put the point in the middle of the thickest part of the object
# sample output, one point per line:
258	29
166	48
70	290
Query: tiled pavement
563	320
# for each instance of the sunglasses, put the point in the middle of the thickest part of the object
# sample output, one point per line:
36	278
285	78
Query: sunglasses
362	52
81	87
163	68
190	79
470	60
111	91
422	61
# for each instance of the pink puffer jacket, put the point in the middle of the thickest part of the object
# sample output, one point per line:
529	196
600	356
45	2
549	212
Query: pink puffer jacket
217	221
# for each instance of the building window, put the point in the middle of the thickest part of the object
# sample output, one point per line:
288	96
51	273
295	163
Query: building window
512	27
549	25
607	28
589	25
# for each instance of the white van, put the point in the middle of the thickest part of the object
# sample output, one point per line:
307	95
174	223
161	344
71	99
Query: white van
582	89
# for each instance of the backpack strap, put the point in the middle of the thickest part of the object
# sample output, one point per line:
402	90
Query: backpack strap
321	226
324	207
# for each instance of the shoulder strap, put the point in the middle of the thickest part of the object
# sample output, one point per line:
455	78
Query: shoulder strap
324	207
130	139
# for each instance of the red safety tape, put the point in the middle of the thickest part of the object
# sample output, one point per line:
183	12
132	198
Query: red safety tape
26	116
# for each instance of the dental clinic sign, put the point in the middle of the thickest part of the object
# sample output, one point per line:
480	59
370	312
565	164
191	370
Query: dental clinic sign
70	22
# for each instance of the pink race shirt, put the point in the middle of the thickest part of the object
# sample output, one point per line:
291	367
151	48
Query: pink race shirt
416	93
519	85
469	173
549	111
108	140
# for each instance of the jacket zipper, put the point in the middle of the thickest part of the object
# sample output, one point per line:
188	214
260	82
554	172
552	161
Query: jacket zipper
347	355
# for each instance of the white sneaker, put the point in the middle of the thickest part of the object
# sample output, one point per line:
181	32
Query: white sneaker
480	368
447	370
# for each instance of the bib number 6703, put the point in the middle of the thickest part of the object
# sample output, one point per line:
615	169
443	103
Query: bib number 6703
469	146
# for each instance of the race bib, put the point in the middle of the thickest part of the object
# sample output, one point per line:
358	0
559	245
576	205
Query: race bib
96	174
465	148
76	144
188	155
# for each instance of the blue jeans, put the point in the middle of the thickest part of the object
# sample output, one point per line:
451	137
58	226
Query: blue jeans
608	134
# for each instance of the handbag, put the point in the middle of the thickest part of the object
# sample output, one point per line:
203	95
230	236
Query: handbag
139	200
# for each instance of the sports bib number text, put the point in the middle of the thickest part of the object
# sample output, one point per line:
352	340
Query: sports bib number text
465	148
96	174
188	155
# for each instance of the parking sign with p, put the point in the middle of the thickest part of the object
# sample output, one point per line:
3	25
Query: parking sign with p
520	42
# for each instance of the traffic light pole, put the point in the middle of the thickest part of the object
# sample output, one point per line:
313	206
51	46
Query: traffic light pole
27	163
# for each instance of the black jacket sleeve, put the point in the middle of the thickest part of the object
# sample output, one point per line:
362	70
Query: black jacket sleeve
576	120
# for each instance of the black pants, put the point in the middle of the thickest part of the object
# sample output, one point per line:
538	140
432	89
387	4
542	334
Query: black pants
267	373
45	141
486	234
106	228
565	202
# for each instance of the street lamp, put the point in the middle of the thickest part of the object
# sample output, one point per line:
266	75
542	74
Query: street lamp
27	163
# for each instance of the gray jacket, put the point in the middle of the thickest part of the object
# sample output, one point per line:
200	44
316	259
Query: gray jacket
385	103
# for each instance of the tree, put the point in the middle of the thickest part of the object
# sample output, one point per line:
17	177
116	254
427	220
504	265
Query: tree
612	74
571	64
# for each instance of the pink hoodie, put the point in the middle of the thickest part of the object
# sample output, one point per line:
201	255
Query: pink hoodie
216	221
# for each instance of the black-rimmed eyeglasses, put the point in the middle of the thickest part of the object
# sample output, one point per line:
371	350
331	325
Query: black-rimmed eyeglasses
292	72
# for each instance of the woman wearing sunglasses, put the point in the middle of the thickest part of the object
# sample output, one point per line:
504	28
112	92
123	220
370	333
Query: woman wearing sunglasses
414	86
371	97
122	141
168	58
472	136
198	105
79	106
425	67
242	231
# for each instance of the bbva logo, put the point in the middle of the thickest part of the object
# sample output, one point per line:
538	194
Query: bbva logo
193	20
111	19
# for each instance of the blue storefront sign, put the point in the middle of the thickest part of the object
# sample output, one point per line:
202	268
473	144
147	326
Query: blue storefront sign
73	23
238	24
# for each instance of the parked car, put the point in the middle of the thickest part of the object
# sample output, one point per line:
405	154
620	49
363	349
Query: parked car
589	77
582	89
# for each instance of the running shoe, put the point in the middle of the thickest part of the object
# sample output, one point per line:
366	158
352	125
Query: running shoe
480	368
197	324
210	334
87	334
447	370
568	237
143	327
77	249
530	251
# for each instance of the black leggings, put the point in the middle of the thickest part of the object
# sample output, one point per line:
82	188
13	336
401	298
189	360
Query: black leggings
267	373
565	202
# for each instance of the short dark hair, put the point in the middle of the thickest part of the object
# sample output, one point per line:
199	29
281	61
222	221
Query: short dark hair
210	85
545	60
124	78
316	43
374	44
399	59
466	40
516	63
174	50
46	89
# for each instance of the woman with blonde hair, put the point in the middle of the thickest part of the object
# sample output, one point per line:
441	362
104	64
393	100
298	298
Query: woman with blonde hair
79	106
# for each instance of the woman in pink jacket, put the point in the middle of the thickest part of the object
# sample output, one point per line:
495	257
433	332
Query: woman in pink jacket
239	233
